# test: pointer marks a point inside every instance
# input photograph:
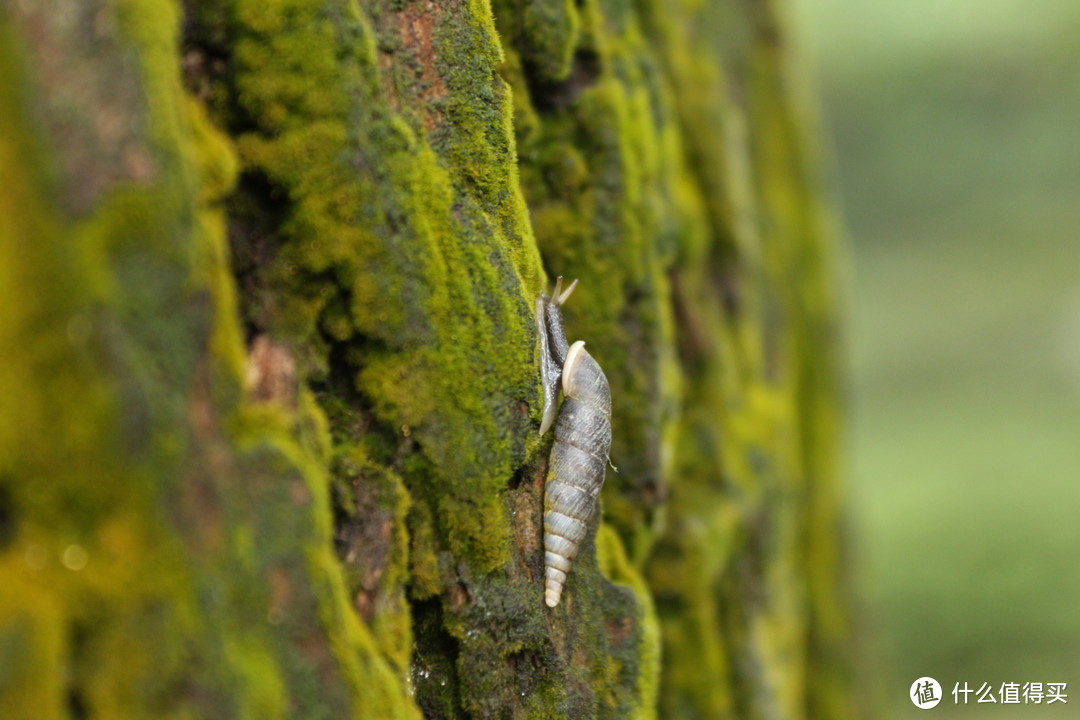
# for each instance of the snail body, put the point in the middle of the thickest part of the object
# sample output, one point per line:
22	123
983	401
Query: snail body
579	456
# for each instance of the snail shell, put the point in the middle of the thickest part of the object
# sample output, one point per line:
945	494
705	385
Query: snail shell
579	456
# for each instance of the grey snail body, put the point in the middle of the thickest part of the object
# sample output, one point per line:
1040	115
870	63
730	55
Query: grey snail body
579	456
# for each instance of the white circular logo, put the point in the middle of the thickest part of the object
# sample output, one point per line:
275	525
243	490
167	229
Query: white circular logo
925	693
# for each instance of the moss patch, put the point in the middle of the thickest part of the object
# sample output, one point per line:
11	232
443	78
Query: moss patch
269	290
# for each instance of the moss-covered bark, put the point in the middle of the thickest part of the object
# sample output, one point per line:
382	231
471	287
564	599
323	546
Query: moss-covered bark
268	428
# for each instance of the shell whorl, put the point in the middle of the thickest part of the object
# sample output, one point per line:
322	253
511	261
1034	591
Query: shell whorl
576	468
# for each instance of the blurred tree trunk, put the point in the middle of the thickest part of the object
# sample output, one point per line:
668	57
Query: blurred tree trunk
269	390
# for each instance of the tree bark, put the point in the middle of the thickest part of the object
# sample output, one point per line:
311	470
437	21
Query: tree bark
269	385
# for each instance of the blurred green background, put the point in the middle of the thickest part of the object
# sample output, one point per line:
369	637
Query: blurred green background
955	127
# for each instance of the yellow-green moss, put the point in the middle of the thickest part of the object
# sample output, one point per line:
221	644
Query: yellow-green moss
390	176
404	262
546	34
686	208
138	356
380	218
616	567
87	560
599	167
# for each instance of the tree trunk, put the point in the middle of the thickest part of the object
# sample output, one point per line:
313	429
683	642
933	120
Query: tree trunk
269	367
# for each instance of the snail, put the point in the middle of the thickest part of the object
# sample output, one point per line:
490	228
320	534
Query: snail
582	440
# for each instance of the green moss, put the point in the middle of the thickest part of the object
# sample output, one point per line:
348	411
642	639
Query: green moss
376	550
374	215
423	207
616	567
546	34
148	284
675	210
85	534
216	165
387	227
